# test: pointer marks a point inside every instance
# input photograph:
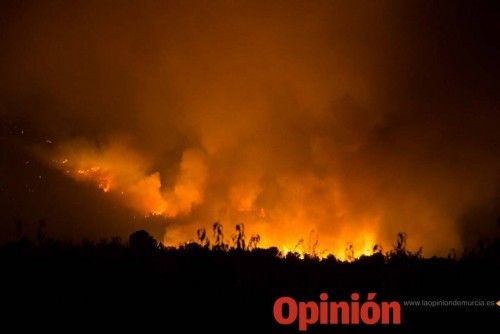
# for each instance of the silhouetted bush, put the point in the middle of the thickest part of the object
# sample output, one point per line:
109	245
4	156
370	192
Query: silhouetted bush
141	242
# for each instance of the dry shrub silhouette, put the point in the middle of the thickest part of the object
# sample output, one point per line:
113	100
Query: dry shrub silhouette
254	241
203	238
218	231
239	237
349	252
400	252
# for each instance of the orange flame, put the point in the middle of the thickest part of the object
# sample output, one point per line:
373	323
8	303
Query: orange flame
294	222
117	169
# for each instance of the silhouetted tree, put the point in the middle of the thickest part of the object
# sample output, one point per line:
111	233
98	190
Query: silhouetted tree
141	242
330	258
292	256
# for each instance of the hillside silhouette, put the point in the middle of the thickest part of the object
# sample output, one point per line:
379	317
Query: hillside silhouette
210	286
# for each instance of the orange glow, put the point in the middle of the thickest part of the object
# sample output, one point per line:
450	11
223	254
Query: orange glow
94	174
312	215
295	225
306	124
117	169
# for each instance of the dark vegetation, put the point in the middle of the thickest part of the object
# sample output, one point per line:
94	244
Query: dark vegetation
214	286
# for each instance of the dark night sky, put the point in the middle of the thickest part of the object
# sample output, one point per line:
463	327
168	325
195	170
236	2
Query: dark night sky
346	120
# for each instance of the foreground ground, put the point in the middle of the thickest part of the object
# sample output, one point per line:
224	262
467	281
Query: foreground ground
114	286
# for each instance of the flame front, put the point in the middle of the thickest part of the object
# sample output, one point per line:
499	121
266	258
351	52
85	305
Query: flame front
295	223
118	170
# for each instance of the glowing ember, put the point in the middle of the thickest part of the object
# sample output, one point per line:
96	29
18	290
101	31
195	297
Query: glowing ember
117	169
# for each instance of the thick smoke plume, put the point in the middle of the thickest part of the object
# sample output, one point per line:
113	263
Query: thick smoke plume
331	121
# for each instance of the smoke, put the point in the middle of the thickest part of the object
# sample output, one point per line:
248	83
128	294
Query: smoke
344	122
115	168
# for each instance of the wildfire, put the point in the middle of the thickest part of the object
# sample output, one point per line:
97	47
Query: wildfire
365	245
115	168
93	174
295	223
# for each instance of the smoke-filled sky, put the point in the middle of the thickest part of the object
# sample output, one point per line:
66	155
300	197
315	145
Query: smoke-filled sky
331	121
